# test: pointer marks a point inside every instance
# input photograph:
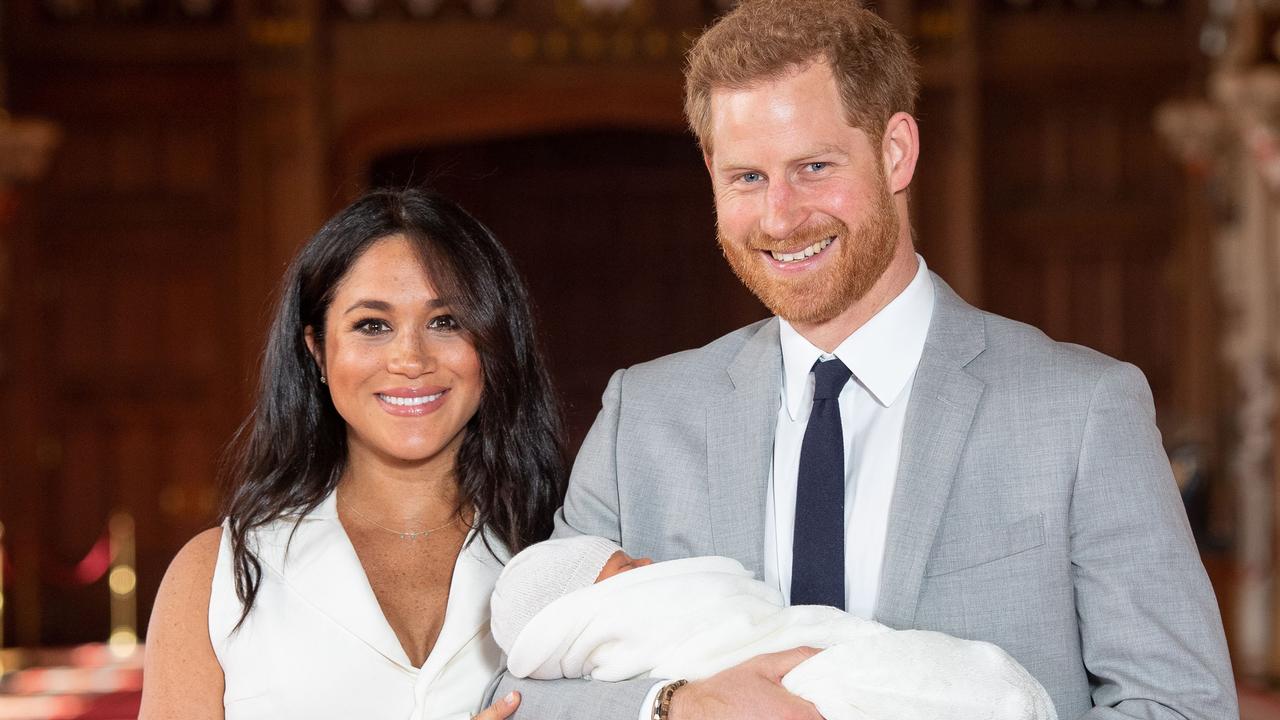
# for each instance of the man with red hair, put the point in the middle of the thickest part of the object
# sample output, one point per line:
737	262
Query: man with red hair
880	445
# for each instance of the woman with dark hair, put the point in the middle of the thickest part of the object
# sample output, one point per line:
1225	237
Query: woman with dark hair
405	440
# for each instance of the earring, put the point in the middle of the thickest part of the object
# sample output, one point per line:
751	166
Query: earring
323	381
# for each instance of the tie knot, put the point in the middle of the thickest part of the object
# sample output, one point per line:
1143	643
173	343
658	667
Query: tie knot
829	377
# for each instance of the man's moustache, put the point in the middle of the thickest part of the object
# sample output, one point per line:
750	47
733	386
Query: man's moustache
799	239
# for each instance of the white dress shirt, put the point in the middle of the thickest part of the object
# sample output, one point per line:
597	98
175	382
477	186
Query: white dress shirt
883	355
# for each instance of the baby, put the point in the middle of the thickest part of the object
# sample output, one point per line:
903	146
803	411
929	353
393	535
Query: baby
581	607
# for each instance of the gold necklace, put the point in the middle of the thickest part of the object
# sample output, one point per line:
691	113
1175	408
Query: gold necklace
409	535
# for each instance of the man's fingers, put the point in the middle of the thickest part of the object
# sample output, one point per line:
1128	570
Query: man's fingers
501	708
775	665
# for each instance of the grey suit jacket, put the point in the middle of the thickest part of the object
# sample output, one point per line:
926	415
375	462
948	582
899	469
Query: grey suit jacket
1034	508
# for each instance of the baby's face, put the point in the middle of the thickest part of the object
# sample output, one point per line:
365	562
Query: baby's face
621	562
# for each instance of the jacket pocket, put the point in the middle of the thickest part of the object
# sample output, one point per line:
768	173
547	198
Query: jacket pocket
968	550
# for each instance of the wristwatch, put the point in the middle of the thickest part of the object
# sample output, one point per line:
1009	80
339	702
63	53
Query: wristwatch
662	708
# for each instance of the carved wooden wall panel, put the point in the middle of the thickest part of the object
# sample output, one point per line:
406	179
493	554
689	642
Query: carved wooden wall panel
944	192
1080	221
132	322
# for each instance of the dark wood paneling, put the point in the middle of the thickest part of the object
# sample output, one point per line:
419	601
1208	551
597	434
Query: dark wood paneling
1080	236
132	320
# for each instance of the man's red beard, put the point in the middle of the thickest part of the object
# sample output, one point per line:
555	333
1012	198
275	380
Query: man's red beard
818	295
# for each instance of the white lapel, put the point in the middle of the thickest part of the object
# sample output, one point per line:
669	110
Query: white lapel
467	614
321	566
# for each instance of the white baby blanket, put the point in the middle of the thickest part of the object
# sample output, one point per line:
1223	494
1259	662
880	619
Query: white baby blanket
692	618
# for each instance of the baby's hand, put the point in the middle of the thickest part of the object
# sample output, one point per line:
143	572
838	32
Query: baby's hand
620	562
501	708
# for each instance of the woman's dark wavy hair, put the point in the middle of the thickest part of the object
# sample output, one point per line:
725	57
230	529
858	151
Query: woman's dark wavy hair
290	452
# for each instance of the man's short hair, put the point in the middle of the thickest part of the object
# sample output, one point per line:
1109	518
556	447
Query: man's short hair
762	40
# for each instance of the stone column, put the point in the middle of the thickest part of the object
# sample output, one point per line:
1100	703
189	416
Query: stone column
1231	140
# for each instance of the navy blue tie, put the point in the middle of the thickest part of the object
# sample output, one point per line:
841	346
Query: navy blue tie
817	552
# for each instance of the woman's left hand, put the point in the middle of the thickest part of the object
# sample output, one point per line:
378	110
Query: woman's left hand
501	708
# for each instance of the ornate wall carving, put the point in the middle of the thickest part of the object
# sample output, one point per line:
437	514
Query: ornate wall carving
1229	141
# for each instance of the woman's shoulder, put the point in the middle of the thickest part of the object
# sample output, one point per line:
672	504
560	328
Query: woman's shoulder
200	554
180	668
190	574
187	583
182	602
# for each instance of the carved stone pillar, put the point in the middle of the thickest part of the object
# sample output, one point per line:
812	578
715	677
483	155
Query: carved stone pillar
1231	141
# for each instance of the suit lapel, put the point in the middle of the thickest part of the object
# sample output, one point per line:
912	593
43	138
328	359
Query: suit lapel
944	398
740	428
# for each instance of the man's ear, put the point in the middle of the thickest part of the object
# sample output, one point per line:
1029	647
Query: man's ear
901	148
706	160
309	334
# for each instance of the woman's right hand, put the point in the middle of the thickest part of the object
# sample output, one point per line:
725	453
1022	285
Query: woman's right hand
501	708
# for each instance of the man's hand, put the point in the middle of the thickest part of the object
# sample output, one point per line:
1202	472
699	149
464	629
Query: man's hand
752	689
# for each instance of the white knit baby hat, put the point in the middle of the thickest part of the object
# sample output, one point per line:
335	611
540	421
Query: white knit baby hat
538	576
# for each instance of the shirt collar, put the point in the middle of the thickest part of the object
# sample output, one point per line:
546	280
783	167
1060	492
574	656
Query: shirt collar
883	354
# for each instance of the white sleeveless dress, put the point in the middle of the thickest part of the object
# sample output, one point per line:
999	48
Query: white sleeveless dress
317	645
